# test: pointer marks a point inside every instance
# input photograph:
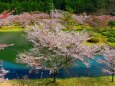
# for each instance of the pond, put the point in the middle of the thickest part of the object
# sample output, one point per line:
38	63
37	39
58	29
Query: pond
20	44
19	71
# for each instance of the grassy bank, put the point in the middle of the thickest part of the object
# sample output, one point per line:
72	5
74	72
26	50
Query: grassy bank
11	29
83	81
100	35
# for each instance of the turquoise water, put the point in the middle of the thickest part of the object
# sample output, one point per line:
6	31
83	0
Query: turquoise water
19	71
10	65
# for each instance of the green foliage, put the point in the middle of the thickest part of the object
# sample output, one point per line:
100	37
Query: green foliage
3	7
26	5
60	4
78	6
109	33
112	23
73	6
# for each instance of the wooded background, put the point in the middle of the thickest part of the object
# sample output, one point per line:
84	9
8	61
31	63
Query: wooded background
74	6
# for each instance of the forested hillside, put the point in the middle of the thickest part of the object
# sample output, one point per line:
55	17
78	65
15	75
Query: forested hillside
73	6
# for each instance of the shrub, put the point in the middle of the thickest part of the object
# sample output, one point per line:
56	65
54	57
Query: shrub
112	23
98	21
109	33
23	19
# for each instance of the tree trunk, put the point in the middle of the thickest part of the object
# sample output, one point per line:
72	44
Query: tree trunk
113	77
54	77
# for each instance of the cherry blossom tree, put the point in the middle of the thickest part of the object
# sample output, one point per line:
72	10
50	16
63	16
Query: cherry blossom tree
109	60
5	14
55	50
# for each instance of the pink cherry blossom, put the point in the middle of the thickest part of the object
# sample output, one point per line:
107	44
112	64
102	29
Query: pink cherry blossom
63	45
109	60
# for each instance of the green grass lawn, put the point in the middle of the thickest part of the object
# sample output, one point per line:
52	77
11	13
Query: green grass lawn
83	81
